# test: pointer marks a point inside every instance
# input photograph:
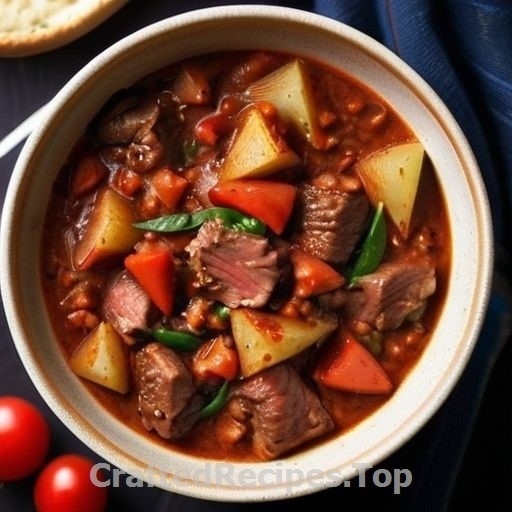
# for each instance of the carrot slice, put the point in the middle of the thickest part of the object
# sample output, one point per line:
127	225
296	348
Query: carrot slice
154	271
168	186
268	201
312	275
348	366
215	359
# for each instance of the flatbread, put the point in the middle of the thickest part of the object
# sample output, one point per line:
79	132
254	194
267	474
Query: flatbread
28	27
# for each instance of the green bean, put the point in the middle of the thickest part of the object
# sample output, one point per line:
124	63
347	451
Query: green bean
182	341
217	402
186	221
372	249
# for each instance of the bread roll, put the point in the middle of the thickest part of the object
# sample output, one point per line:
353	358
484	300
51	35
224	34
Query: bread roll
28	27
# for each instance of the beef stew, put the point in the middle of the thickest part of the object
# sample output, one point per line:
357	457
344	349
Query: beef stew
245	254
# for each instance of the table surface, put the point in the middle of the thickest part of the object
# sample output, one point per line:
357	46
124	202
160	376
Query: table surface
25	85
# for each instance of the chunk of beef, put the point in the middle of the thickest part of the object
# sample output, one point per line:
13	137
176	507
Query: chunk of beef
384	298
128	122
127	306
331	222
249	69
238	269
168	402
140	156
283	412
132	138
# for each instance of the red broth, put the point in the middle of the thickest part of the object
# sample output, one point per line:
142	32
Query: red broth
161	148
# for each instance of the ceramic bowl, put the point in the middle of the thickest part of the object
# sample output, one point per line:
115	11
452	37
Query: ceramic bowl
427	385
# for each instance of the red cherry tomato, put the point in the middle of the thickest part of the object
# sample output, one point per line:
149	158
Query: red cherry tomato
24	438
65	485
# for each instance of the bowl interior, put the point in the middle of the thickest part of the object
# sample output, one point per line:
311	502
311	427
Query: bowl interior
230	28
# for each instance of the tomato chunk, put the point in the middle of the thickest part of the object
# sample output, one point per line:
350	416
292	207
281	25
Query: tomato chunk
89	172
312	275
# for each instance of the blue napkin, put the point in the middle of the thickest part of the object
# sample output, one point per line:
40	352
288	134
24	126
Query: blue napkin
463	49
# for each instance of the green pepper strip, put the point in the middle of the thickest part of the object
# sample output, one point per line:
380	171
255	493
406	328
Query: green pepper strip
185	221
222	311
182	341
372	249
217	402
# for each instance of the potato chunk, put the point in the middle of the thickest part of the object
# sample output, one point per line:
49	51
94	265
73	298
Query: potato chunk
265	339
108	233
101	358
391	176
289	90
256	151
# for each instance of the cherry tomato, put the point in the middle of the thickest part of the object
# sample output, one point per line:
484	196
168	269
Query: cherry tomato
65	485
24	438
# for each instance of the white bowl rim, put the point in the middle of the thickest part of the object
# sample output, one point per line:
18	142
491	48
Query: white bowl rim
224	491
